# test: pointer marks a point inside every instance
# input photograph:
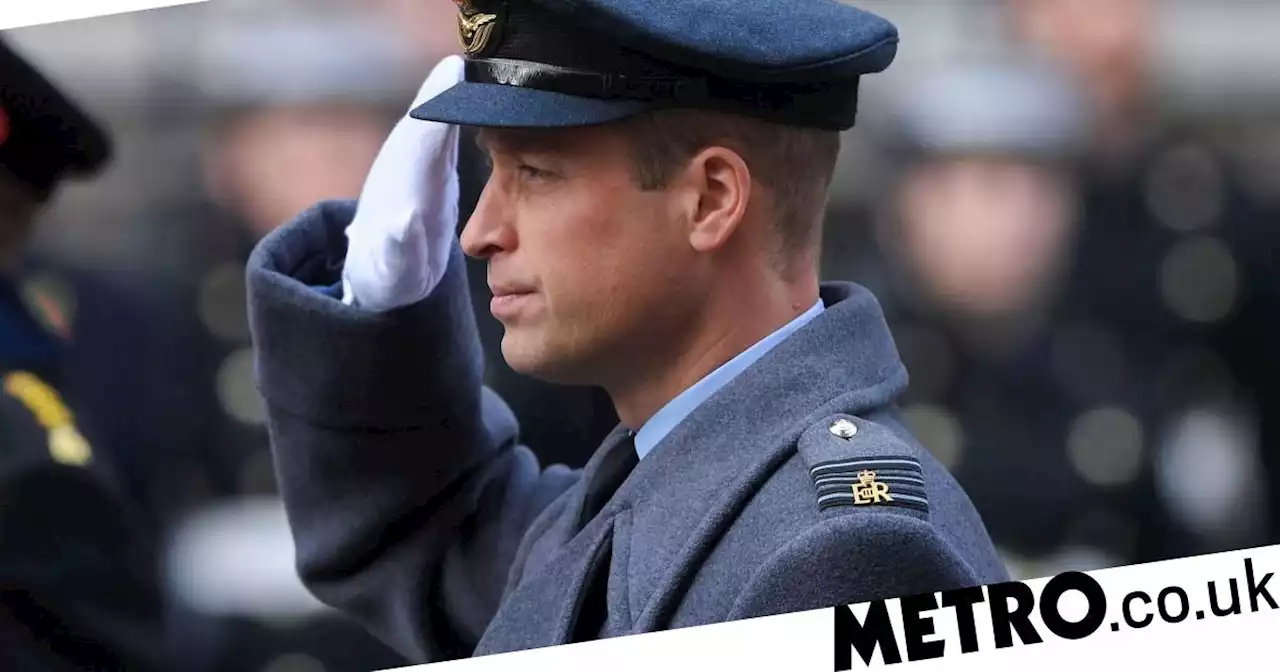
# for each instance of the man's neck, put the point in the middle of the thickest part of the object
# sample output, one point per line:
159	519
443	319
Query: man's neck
724	329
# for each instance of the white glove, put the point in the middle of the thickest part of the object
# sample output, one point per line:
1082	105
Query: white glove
399	241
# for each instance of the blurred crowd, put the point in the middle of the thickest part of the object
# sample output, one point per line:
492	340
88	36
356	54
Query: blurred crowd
1074	241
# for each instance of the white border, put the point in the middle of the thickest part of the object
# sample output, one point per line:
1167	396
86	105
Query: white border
21	13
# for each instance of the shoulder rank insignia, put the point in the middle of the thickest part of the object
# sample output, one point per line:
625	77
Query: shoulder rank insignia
871	482
66	444
861	464
477	29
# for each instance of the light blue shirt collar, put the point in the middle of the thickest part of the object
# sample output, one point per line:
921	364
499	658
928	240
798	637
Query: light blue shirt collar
676	410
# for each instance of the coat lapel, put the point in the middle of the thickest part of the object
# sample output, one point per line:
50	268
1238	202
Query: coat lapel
541	605
550	537
542	610
619	590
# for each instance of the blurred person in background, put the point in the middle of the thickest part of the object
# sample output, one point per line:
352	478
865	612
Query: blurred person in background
78	583
1105	47
1061	246
165	350
974	258
261	159
1177	263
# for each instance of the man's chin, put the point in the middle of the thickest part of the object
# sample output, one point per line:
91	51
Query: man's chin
538	360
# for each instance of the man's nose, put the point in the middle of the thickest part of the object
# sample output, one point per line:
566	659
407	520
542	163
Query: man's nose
489	230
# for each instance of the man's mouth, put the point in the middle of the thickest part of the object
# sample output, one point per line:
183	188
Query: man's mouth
508	299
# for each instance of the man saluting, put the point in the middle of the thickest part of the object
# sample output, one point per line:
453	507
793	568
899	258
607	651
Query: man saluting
651	225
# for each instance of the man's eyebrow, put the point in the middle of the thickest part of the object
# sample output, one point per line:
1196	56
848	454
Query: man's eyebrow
516	141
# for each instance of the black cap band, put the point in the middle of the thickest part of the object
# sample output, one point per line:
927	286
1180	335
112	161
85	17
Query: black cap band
818	106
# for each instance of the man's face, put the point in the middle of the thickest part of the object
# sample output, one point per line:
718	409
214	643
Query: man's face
585	266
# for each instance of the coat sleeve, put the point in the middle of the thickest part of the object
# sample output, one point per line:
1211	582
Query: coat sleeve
850	560
406	486
79	588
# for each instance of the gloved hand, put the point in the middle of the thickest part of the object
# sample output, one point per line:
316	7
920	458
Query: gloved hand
398	243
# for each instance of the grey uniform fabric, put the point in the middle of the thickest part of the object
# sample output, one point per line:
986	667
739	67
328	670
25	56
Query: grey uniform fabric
416	509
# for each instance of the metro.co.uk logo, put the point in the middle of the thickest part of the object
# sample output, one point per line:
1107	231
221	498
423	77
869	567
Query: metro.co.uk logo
1069	606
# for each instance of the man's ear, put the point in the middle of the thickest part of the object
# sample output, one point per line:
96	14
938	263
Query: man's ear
720	178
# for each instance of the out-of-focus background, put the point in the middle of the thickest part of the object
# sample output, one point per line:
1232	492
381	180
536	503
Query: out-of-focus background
1067	207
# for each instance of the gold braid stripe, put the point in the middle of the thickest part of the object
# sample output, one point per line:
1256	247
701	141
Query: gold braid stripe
66	444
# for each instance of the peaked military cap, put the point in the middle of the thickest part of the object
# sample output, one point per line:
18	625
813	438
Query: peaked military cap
563	63
44	136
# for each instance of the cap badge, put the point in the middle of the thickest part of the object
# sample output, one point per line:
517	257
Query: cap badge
476	29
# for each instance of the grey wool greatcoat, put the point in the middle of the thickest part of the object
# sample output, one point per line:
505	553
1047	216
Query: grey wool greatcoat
416	509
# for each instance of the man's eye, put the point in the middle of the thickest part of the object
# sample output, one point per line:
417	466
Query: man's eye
533	173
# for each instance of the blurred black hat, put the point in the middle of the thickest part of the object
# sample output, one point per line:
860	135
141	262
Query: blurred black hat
44	136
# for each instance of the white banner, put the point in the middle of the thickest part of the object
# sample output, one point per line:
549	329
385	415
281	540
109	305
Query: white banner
19	13
1207	612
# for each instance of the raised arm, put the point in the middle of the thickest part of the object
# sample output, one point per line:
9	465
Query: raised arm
406	487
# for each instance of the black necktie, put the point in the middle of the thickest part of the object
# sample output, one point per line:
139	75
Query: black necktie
613	470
